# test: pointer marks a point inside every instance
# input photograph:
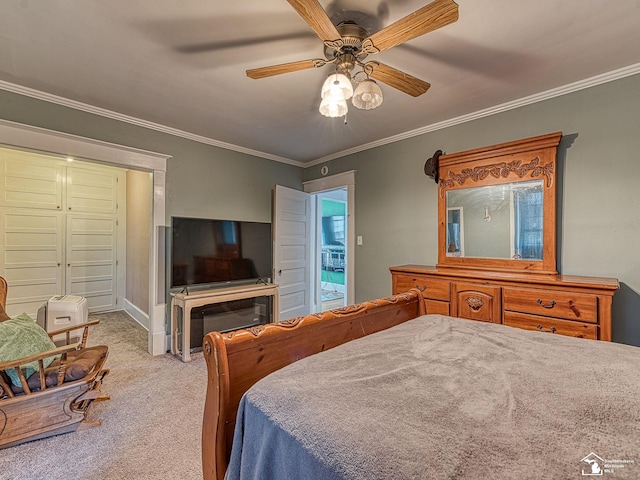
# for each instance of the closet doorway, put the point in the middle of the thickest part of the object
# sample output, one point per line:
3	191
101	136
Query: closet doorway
61	230
42	140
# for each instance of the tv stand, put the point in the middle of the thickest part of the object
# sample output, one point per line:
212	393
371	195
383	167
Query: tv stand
186	301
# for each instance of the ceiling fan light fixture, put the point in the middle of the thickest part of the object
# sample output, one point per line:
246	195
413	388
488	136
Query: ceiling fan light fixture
367	95
337	82
333	105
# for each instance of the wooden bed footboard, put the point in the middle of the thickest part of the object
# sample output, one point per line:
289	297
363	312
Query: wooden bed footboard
236	360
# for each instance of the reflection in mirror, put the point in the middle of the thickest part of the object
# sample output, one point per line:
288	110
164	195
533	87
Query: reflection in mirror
500	221
455	234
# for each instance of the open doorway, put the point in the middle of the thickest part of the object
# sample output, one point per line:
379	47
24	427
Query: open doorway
331	208
333	272
297	246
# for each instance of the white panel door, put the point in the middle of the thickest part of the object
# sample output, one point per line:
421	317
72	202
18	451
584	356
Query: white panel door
31	256
292	251
91	259
59	231
92	233
29	180
92	188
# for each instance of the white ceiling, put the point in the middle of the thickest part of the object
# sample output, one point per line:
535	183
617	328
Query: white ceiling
180	65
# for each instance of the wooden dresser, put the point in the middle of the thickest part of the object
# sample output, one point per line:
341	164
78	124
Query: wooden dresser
567	305
497	245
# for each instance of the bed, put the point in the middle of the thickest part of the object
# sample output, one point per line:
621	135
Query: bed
382	390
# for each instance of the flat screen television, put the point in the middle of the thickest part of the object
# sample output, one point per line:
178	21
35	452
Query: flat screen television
213	251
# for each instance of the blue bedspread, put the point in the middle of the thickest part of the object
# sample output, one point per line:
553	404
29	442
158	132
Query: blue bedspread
444	398
273	452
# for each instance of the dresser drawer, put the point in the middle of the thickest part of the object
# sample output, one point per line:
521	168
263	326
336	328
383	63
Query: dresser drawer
476	302
552	325
432	289
550	303
437	306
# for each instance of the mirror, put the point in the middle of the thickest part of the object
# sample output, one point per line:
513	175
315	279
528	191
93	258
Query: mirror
496	221
496	207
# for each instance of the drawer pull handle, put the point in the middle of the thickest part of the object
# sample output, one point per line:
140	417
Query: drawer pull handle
552	329
422	289
474	303
548	305
574	309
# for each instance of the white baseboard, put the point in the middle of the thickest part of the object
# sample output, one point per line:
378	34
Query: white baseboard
137	314
160	342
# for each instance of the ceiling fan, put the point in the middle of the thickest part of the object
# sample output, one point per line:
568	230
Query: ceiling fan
348	44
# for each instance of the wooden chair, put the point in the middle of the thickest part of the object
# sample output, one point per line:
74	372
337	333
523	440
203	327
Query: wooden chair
55	399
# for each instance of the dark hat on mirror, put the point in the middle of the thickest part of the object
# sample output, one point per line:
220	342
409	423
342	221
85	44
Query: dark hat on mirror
431	166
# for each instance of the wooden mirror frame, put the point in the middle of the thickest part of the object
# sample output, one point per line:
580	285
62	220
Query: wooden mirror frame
519	161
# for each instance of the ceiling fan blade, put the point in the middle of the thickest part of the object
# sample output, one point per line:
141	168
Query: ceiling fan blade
313	13
263	72
395	78
427	19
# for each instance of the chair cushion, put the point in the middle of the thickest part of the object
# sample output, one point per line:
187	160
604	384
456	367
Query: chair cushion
19	338
79	364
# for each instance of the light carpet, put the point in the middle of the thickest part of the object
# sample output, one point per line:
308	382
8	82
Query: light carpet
151	426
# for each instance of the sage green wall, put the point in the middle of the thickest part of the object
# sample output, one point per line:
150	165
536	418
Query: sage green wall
599	191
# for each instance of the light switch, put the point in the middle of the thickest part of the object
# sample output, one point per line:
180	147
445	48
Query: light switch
359	239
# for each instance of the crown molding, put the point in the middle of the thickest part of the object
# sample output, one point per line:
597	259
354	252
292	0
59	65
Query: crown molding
538	97
67	145
103	112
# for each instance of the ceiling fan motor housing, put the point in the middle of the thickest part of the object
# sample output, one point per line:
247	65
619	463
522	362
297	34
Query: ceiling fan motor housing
352	37
345	63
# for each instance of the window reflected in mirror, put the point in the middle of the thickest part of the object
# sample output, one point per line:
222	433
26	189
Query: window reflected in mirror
526	203
454	232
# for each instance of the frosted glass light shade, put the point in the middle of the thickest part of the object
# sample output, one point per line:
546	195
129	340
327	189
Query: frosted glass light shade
333	105
337	82
367	95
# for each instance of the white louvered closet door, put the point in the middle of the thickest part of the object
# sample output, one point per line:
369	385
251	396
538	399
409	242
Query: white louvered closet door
58	230
92	235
